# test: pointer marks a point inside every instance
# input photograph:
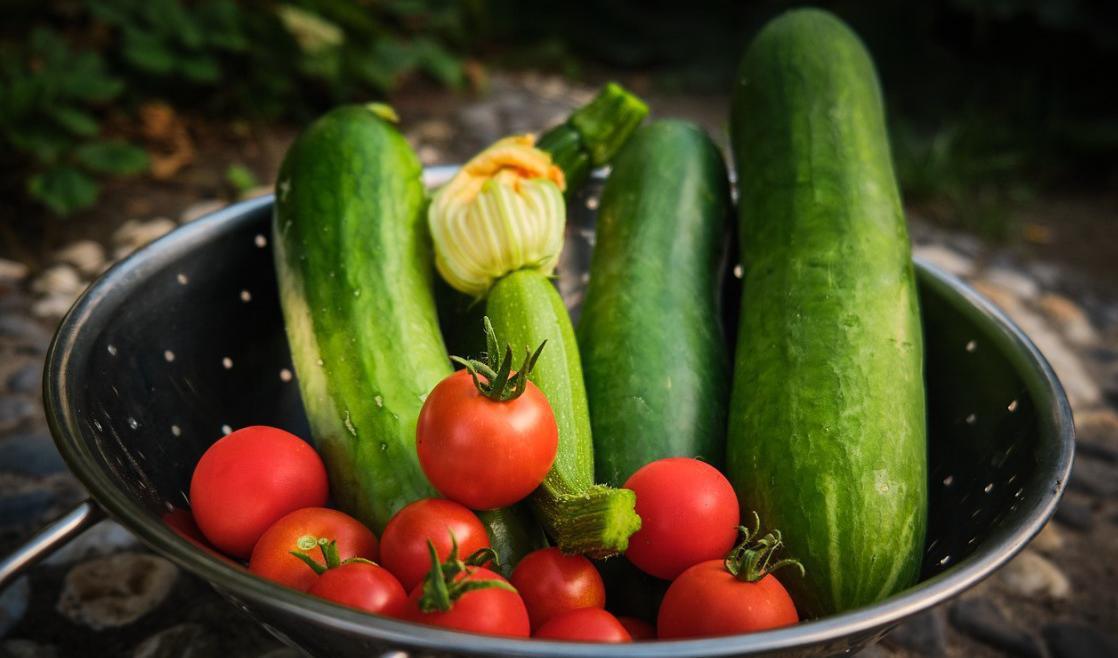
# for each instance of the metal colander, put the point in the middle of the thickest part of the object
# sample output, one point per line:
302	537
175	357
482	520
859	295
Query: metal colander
184	340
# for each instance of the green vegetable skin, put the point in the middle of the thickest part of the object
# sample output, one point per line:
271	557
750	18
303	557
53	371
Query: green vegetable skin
657	370
353	259
526	309
827	426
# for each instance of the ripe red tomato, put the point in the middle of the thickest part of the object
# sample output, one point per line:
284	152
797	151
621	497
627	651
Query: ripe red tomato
584	625
481	452
707	600
491	611
689	513
300	531
246	481
403	545
639	629
552	583
363	586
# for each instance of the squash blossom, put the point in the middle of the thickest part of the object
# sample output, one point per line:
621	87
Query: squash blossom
502	212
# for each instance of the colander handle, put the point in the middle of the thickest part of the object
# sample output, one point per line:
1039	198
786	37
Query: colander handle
49	539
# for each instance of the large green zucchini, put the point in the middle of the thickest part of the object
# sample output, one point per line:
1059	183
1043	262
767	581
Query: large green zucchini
653	350
354	263
827	425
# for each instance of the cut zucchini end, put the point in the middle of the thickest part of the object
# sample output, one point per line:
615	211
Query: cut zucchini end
596	522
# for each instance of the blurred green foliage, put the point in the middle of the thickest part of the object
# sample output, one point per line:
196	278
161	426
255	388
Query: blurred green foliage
49	99
988	99
87	60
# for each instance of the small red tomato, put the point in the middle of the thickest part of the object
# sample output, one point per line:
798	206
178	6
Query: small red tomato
482	452
491	611
639	629
403	545
363	586
246	481
584	625
552	583
707	600
689	513
301	531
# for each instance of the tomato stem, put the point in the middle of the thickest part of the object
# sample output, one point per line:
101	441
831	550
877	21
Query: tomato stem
501	384
443	587
751	559
330	556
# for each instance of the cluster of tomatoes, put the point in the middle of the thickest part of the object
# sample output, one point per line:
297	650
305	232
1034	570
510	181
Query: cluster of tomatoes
259	494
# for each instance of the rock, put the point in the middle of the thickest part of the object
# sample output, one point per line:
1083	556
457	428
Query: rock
1049	540
30	454
1098	451
53	306
133	234
1012	281
27	649
27	379
1071	640
480	122
1001	298
182	641
12	271
13	604
1075	515
875	651
102	539
1080	387
86	255
1029	575
58	279
946	259
1069	318
1094	477
1048	275
114	591
433	130
926	634
429	155
24	331
25	507
13	411
200	209
1098	427
981	619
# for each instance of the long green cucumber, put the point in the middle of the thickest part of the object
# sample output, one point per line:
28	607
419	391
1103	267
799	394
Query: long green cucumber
657	370
581	516
353	258
827	422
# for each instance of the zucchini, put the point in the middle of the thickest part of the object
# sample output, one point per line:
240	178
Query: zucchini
581	516
498	231
353	260
656	366
827	424
354	269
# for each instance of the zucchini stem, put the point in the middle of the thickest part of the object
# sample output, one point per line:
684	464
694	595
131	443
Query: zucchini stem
596	521
594	133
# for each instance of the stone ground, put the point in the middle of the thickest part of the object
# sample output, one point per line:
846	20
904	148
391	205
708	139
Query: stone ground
107	595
